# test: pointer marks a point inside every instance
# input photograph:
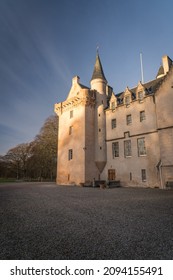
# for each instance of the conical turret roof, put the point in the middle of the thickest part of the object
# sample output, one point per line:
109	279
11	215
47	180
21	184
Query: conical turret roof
98	70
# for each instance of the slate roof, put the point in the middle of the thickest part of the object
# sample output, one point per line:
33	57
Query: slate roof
98	70
150	88
82	86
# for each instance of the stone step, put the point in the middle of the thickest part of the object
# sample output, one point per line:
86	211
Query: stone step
114	184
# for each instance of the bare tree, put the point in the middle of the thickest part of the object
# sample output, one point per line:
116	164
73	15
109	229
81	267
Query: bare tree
35	160
44	150
16	159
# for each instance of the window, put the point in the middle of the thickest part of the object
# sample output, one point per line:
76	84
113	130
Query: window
143	175
140	95
113	105
142	116
71	114
115	149
127	148
70	130
141	147
127	100
129	119
126	134
70	154
114	123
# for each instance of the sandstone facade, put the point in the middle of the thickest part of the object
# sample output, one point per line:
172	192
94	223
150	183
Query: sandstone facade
126	136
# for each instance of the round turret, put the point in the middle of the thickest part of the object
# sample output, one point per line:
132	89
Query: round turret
99	84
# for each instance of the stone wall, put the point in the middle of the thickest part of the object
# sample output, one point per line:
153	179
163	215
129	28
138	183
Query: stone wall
129	169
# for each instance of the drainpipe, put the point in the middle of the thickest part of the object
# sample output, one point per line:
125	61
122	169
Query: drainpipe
159	166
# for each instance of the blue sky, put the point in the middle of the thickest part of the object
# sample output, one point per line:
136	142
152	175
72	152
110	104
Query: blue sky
44	43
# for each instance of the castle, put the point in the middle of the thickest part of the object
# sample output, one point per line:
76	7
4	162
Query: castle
126	137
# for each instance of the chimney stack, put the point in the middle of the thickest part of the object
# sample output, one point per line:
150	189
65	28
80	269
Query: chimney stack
167	62
75	80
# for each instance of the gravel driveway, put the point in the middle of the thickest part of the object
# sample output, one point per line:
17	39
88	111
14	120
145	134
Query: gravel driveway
45	221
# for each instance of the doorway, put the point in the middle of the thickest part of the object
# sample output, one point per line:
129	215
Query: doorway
111	174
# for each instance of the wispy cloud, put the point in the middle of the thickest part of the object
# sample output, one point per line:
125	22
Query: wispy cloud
44	43
34	72
8	133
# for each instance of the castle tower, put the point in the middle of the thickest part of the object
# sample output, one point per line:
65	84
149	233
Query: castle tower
82	130
76	136
99	85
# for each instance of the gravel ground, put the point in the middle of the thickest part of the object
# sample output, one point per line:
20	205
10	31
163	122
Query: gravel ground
45	221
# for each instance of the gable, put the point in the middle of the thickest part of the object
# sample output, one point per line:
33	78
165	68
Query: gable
76	87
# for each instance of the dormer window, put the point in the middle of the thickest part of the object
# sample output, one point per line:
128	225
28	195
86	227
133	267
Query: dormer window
127	100
140	96
140	92
127	97
113	105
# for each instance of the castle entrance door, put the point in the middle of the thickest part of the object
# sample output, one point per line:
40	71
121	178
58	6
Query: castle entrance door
111	174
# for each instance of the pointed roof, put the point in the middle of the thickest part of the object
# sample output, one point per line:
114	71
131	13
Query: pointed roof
98	70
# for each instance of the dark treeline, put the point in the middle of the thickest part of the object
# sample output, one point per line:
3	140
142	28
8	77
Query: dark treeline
35	160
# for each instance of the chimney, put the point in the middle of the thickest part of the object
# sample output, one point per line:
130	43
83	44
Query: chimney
166	63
